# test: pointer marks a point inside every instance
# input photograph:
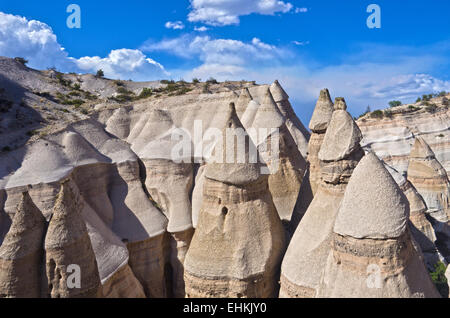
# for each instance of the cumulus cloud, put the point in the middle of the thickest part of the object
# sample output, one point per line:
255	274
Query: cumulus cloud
32	40
220	56
301	10
201	29
177	25
221	12
36	42
124	64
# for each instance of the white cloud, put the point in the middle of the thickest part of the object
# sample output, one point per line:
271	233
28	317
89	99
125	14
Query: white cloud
226	12
36	42
301	10
300	43
32	40
124	64
223	57
201	29
177	25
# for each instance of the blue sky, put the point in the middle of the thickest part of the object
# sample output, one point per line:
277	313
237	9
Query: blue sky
307	45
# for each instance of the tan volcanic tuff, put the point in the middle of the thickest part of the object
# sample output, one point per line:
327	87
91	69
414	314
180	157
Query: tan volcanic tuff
420	227
306	255
22	253
392	137
318	125
372	251
285	163
67	244
142	226
239	241
242	102
431	181
300	134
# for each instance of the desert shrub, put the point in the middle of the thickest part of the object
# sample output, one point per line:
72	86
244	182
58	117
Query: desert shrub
74	102
146	92
413	108
441	94
206	88
211	80
100	73
118	83
167	82
431	108
440	135
124	91
195	80
395	103
21	60
439	279
427	97
388	113
76	86
84	111
418	100
62	81
377	114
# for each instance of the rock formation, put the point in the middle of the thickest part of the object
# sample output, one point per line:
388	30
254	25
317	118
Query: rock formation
277	148
318	125
420	227
300	134
307	252
242	102
142	227
431	181
372	249
69	251
237	246
22	253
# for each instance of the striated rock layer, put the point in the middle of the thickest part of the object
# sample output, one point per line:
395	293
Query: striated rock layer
22	253
372	253
420	227
431	181
237	246
307	252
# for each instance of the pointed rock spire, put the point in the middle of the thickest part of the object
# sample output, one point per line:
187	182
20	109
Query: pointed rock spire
342	137
268	114
340	104
21	254
318	125
421	149
307	252
231	255
242	102
278	92
430	179
67	244
233	161
371	236
322	112
375	209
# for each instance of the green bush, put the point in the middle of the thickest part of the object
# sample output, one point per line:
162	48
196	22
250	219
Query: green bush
195	80
418	100
413	108
167	82
100	73
377	114
388	113
431	108
21	60
439	279
395	103
212	80
146	92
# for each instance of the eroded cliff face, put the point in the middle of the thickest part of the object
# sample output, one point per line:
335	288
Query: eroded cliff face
126	176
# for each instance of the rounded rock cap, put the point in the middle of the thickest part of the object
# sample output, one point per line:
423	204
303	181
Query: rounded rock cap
373	205
340	104
341	139
322	112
